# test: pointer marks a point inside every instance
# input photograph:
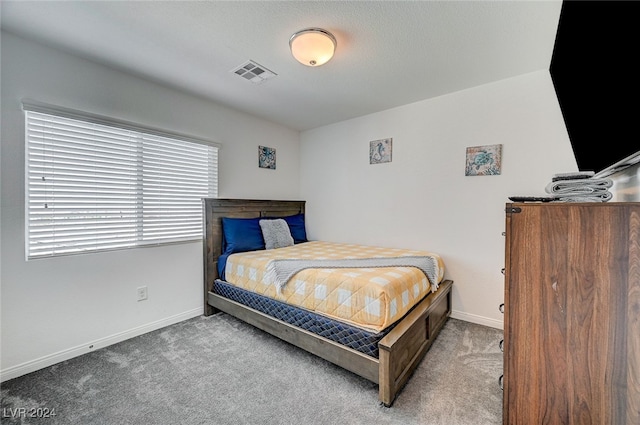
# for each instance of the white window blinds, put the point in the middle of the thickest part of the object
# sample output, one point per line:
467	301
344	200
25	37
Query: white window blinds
92	186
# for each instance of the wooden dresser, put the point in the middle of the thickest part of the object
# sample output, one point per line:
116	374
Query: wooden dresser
572	314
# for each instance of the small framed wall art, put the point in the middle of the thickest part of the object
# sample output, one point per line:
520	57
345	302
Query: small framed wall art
483	160
380	151
266	157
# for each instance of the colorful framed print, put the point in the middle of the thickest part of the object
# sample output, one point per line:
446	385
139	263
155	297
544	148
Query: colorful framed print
483	160
266	157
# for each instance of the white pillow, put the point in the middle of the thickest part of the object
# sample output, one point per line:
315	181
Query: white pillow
276	233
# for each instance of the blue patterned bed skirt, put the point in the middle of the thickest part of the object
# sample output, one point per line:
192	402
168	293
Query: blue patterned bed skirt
342	333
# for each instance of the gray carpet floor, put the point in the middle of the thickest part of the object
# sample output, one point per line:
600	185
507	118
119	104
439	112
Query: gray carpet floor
218	370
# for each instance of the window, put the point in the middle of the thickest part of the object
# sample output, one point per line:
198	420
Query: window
95	184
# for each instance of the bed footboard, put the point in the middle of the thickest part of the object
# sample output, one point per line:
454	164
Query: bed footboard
403	348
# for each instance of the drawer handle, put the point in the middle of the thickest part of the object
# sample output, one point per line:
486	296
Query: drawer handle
501	308
502	270
501	345
500	382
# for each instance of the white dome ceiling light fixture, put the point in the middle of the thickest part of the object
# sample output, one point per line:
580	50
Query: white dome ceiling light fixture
312	46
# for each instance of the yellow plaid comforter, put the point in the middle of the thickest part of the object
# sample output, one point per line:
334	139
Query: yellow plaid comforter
369	298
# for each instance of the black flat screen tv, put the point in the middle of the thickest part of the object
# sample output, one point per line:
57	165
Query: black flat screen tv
597	80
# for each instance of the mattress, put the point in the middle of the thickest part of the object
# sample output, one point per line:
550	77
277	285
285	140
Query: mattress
370	298
342	333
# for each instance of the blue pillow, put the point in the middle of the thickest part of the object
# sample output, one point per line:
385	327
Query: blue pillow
296	225
222	265
241	235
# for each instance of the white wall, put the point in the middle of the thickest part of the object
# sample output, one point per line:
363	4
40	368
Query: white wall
54	309
422	199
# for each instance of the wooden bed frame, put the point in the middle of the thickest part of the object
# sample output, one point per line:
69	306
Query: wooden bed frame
400	351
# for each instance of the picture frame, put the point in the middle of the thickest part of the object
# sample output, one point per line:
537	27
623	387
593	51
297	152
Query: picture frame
266	157
483	160
380	151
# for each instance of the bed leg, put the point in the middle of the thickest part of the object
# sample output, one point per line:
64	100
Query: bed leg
209	310
386	390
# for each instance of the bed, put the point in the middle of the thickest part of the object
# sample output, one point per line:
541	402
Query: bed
385	350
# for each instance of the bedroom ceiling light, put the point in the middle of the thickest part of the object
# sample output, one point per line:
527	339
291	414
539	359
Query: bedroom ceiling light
312	46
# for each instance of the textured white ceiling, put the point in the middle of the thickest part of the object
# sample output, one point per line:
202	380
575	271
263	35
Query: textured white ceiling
389	53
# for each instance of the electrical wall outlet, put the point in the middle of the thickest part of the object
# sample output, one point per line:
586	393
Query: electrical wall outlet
142	293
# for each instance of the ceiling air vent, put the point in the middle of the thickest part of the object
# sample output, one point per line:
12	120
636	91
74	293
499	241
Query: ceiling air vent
253	72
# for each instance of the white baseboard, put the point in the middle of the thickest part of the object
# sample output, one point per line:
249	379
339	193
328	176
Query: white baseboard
480	320
46	361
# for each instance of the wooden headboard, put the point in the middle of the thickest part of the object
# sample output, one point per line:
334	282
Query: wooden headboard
213	211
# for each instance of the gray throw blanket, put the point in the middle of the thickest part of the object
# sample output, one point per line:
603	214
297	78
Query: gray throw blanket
595	197
581	190
281	271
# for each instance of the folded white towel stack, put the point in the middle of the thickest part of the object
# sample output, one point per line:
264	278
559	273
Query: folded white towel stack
579	187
